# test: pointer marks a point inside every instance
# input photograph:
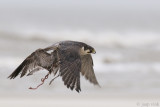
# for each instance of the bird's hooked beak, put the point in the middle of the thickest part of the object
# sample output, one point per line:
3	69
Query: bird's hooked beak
94	51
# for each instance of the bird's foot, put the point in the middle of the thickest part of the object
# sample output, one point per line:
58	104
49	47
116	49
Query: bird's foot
43	80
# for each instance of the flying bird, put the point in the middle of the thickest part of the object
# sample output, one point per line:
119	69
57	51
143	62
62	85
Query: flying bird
68	59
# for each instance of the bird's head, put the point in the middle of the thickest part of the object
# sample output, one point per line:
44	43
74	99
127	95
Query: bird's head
86	49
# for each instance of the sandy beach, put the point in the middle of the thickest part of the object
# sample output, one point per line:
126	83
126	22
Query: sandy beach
78	101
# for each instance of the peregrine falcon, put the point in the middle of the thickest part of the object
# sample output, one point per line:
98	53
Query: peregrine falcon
66	58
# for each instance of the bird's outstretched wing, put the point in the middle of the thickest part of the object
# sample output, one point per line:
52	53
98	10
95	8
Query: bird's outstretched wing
87	69
34	62
70	66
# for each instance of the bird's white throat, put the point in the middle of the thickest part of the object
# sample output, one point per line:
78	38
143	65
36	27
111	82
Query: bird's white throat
84	52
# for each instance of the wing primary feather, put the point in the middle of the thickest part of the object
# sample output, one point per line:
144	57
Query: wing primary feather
17	71
78	89
24	71
63	70
66	72
70	81
87	69
73	83
67	78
